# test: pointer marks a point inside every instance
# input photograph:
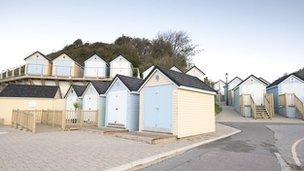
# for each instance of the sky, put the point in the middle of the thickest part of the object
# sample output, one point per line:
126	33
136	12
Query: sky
238	37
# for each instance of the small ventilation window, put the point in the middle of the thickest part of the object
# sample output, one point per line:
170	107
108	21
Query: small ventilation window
157	77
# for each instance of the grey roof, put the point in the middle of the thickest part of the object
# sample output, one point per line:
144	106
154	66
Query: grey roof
132	83
182	79
299	74
78	89
248	78
101	86
196	68
18	90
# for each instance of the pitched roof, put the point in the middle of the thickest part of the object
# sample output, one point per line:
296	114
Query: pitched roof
76	60
299	74
196	68
132	83
94	54
248	78
234	79
219	81
265	81
175	67
39	54
101	86
78	89
182	79
18	90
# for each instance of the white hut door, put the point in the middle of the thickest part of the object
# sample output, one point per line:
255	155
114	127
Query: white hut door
90	103
117	107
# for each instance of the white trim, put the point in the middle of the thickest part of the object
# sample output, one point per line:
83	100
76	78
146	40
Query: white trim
118	57
98	57
147	79
113	82
90	84
197	90
76	63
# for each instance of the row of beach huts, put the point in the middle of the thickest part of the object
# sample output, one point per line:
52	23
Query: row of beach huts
166	101
256	97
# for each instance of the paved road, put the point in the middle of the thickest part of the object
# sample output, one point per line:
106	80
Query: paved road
286	136
252	149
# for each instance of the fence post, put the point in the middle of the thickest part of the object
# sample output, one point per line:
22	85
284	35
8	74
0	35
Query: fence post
53	118
63	120
81	117
34	123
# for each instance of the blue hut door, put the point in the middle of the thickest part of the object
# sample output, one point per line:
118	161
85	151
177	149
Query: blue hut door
158	108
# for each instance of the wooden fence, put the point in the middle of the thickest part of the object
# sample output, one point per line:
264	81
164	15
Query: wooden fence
24	119
76	119
28	119
269	104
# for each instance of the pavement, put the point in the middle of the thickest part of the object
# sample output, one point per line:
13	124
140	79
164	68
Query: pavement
286	136
230	115
252	149
79	150
262	145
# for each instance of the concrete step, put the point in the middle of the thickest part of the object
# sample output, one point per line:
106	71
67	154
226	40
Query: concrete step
114	125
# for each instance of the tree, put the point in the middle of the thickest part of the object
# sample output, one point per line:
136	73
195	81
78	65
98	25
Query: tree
78	43
181	44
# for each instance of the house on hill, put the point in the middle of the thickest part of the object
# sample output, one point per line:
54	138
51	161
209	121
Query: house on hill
120	65
95	67
37	64
174	68
65	66
288	93
196	72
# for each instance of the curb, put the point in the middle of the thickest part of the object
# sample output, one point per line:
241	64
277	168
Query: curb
167	154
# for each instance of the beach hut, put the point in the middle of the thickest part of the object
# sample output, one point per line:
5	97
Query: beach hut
74	95
176	103
288	93
94	99
37	64
249	97
64	66
196	72
231	85
120	65
95	67
122	103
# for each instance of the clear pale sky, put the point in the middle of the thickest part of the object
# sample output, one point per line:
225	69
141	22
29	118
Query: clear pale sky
241	37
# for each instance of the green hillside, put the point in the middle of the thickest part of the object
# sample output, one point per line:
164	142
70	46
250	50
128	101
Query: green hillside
167	49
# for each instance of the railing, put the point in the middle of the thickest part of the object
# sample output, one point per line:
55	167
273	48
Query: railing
286	100
81	118
299	105
247	100
290	99
269	104
253	108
